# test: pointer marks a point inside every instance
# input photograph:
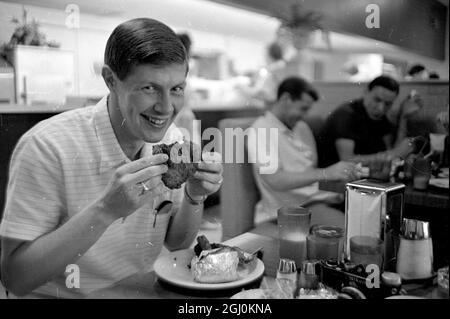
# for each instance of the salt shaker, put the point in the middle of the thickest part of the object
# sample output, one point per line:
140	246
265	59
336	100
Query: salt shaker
287	269
287	276
308	276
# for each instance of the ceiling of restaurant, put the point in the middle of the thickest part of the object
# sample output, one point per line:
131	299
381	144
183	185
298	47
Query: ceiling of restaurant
343	16
273	8
417	25
282	7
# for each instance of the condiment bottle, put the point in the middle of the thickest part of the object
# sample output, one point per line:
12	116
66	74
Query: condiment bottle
325	242
415	253
308	277
287	269
287	276
392	283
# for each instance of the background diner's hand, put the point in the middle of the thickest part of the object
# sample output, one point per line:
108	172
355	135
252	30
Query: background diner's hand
343	171
405	147
411	105
208	177
132	185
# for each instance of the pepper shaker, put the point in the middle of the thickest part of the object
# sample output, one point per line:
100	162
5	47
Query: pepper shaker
308	275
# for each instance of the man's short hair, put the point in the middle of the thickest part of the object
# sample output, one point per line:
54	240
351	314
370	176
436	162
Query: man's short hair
295	87
275	51
142	40
385	82
415	68
186	40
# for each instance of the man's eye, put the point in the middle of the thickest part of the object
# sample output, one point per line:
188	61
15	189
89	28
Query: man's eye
178	90
149	89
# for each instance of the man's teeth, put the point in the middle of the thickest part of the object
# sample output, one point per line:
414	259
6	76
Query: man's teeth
155	121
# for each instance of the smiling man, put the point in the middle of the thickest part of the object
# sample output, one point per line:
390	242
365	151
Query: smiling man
85	190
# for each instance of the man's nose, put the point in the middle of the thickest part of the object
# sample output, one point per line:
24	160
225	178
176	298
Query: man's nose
381	106
164	104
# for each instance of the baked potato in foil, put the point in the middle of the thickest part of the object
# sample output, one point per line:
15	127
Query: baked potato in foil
215	266
219	263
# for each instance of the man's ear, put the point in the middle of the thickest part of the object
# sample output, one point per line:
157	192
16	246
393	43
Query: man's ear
108	77
285	97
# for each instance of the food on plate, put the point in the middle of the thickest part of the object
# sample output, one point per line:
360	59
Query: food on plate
259	293
217	263
252	294
280	292
182	162
215	266
322	292
244	257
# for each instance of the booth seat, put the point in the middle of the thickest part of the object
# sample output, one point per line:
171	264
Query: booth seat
239	193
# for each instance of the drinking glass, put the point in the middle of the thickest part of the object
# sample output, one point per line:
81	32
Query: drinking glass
421	173
325	242
293	227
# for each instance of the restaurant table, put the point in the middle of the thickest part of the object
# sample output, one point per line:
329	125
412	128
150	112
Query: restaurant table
147	285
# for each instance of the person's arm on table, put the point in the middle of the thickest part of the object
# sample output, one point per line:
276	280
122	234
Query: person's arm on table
27	265
345	149
185	223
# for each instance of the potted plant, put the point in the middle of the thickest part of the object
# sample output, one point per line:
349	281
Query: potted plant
26	33
300	26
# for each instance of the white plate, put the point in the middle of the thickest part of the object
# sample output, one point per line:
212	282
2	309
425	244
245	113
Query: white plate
404	297
443	173
173	268
439	182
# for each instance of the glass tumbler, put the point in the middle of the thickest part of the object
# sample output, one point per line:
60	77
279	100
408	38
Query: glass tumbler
325	242
293	228
421	173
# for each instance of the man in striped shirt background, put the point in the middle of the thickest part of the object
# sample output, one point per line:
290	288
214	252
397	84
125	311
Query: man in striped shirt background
84	186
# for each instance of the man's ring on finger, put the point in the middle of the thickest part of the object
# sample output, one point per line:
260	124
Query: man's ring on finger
144	188
220	181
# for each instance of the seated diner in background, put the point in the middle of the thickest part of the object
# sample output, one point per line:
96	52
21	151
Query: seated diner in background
363	130
295	181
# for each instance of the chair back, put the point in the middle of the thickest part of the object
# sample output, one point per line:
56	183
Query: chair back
239	193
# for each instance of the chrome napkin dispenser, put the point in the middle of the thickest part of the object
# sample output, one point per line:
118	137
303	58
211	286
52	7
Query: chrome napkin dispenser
375	209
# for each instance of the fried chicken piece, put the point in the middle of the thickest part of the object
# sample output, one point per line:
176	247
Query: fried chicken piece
181	163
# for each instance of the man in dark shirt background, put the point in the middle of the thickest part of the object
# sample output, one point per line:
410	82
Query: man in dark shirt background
359	130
